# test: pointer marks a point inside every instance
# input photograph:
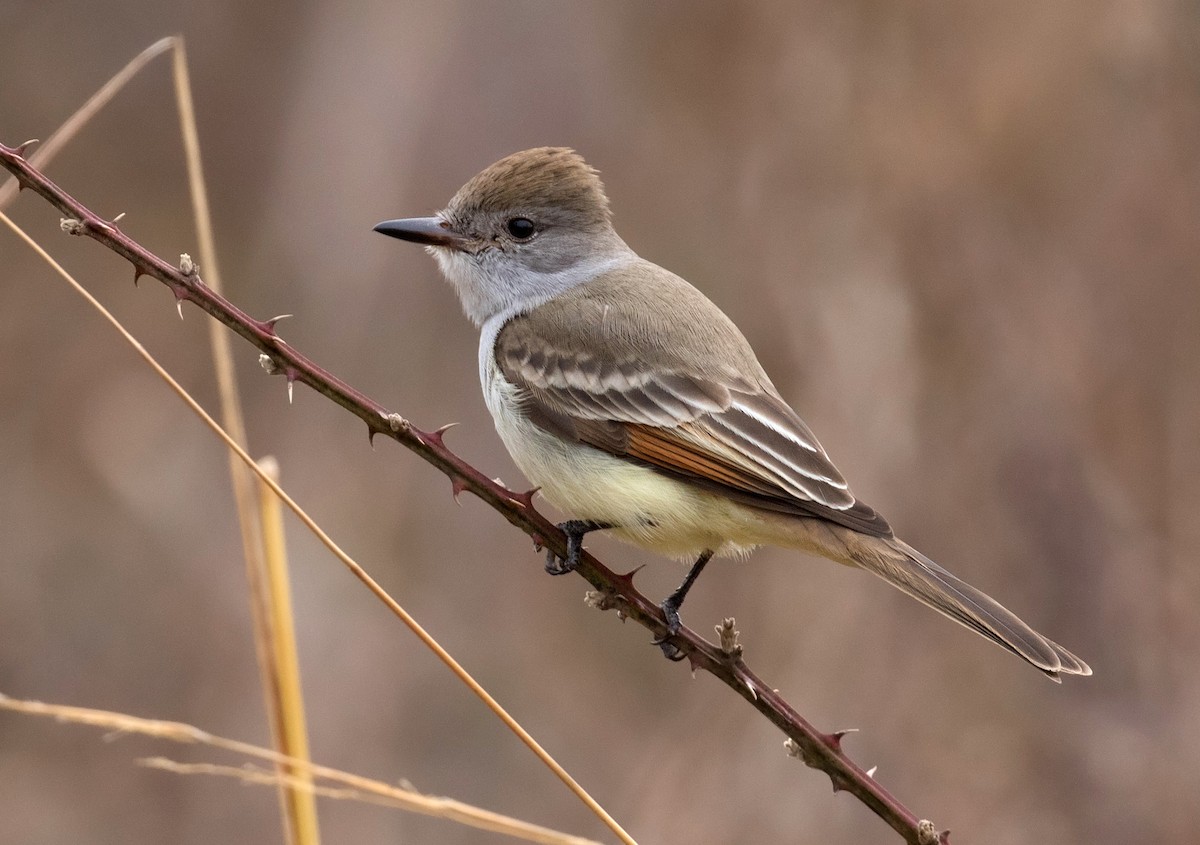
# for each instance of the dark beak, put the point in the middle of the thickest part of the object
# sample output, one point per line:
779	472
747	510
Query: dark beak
431	231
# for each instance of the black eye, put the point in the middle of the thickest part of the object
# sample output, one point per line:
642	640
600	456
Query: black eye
521	228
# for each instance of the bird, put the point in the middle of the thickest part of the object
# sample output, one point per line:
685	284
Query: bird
637	406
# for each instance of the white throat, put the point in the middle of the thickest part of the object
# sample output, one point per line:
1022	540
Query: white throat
490	284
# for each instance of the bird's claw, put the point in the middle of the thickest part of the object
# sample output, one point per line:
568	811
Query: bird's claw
556	565
671	651
670	612
574	529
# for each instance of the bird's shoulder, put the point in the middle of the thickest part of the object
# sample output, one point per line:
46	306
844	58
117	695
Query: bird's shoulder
638	315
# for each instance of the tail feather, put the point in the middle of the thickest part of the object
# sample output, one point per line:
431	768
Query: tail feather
912	572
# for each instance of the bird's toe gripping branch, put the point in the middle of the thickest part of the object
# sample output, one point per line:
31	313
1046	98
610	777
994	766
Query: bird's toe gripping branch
574	529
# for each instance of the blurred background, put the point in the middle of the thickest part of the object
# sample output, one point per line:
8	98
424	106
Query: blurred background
963	239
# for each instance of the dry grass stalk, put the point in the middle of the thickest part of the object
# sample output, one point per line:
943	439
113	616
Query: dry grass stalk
361	574
352	787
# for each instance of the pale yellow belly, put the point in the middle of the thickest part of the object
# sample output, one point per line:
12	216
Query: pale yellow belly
645	507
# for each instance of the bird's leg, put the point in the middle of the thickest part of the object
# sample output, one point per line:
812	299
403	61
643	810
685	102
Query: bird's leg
671	604
574	529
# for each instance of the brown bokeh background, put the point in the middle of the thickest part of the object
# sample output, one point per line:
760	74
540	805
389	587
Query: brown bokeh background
964	239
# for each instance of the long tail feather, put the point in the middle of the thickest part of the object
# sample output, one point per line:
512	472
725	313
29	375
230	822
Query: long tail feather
904	567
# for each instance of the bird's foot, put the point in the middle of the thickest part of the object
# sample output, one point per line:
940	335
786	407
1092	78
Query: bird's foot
670	608
574	529
670	612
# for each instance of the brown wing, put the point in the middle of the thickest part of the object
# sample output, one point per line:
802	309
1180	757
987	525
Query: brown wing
736	456
682	410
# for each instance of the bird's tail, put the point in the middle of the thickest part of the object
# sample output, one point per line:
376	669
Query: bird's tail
904	567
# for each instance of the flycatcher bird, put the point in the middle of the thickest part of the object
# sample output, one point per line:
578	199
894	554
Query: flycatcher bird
638	407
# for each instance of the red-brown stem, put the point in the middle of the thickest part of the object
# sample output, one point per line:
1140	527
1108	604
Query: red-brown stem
819	750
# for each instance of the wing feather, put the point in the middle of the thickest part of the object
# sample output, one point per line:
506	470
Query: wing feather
685	412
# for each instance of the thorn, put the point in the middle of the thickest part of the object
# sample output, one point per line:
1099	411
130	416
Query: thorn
371	436
539	542
835	739
838	784
457	485
269	325
290	374
437	438
113	223
626	580
21	149
871	772
181	295
72	226
137	273
525	499
750	688
187	266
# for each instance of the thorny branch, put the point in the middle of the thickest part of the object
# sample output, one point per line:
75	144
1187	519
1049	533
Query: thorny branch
817	749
